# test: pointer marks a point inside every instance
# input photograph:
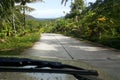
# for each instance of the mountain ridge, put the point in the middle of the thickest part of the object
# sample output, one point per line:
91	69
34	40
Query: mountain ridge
29	17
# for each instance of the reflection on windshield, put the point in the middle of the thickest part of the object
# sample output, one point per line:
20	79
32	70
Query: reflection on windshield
35	76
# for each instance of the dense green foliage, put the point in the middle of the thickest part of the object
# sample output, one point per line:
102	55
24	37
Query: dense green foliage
16	32
12	17
15	44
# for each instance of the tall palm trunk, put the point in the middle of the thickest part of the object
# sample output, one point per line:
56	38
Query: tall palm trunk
23	3
13	23
24	19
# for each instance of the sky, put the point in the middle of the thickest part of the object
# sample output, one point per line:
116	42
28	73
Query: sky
50	8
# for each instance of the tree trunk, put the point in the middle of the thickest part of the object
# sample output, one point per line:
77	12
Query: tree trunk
24	23
13	23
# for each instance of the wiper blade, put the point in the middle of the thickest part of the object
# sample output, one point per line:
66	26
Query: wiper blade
38	70
19	62
12	65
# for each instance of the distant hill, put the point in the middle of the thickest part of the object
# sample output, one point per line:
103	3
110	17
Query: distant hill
28	17
33	18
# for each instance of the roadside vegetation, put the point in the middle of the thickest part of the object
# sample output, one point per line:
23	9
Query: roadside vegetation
15	45
16	32
98	22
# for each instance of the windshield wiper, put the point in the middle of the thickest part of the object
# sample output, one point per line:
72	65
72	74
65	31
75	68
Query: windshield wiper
18	65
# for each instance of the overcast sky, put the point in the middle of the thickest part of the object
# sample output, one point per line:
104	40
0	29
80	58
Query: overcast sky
50	8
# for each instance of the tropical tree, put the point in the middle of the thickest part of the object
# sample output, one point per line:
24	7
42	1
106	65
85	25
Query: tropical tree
64	2
76	9
10	15
24	8
6	8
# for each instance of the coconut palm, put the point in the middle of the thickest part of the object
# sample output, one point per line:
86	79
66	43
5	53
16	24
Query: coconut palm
5	8
23	3
8	11
64	2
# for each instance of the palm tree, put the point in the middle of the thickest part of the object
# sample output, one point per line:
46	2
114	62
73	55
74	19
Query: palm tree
8	12
6	7
64	2
23	3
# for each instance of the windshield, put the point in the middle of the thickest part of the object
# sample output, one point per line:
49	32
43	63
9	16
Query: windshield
81	33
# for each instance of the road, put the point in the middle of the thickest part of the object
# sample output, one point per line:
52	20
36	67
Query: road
63	47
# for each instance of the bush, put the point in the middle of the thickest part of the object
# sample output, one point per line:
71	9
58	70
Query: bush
2	35
112	42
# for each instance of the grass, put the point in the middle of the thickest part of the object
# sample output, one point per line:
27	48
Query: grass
15	45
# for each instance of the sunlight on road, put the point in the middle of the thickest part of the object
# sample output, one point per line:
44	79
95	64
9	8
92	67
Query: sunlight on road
45	47
89	48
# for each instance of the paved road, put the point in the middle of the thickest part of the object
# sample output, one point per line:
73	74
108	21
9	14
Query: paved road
59	46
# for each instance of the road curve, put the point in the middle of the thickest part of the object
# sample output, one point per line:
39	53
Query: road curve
59	46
